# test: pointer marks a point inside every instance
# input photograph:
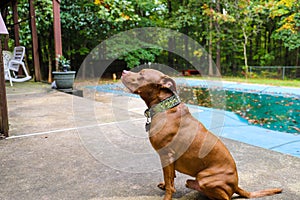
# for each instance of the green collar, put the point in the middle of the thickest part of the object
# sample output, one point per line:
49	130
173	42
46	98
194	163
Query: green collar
164	105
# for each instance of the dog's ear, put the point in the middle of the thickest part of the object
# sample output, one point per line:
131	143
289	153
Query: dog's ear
169	83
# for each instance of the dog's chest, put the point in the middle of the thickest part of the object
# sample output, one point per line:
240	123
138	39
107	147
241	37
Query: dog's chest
172	138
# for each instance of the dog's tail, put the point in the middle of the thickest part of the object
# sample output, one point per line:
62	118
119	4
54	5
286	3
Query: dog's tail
256	194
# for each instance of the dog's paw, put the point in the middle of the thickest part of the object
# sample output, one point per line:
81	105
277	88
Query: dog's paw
161	186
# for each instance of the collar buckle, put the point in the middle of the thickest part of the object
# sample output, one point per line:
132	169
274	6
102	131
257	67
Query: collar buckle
147	113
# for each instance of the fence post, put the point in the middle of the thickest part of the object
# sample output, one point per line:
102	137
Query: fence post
283	72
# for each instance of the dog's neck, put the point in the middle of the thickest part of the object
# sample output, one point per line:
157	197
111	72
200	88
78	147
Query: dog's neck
153	94
164	105
157	98
160	97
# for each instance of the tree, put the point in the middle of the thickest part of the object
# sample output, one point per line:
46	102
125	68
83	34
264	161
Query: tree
248	21
288	30
235	32
218	19
120	15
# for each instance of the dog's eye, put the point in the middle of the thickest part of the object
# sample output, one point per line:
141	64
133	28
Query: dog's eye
141	76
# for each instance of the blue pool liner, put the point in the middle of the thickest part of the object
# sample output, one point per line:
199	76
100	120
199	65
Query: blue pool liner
237	128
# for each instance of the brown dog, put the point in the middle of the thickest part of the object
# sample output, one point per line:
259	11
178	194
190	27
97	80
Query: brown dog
183	143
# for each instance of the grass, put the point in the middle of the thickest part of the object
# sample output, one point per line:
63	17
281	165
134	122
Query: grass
263	81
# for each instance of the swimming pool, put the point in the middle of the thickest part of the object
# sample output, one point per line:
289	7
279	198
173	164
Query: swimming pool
275	112
234	126
274	108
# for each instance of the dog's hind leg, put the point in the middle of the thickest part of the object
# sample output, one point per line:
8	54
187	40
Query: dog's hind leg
193	184
216	193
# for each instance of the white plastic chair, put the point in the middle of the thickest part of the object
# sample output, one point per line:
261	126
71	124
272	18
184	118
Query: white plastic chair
7	55
13	66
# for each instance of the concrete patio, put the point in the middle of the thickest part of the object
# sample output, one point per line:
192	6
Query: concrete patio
66	147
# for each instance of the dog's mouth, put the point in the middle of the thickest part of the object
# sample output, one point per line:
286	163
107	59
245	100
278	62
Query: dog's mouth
127	87
129	90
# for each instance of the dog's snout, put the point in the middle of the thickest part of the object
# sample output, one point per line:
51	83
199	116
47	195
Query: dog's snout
125	72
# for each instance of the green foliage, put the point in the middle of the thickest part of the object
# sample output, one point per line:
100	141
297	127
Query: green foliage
134	58
261	32
263	58
63	63
122	15
289	22
81	28
125	48
290	40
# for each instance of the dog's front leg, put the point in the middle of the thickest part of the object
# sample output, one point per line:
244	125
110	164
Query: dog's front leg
169	176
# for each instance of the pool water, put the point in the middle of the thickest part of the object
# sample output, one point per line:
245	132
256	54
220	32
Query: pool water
275	112
272	111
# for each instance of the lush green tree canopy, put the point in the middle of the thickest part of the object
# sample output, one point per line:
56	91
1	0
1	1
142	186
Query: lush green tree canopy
236	33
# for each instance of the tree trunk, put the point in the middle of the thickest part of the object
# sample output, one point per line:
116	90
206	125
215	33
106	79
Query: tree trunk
218	43
210	65
171	40
170	54
245	51
186	48
49	66
297	63
250	52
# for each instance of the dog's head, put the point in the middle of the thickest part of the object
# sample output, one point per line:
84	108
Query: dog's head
150	84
